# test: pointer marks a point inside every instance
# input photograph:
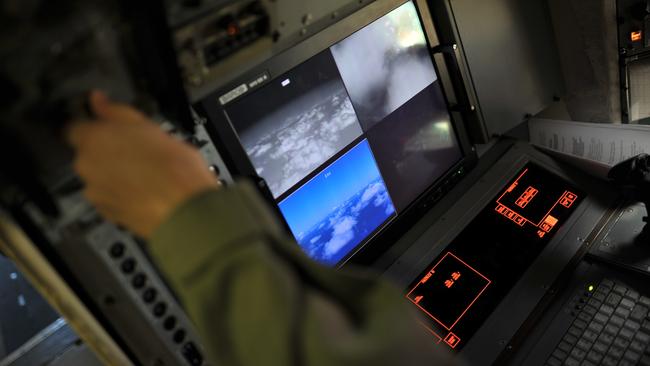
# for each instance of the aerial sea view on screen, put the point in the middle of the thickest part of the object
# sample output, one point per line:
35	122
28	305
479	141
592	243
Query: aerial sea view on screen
340	207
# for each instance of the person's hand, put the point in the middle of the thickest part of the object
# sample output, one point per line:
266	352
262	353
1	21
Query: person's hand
135	173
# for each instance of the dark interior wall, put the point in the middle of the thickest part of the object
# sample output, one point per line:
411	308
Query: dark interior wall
512	55
586	35
638	73
634	16
3	352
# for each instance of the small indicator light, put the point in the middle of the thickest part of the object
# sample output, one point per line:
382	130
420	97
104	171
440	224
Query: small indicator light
567	199
286	82
232	29
452	340
552	221
636	36
590	288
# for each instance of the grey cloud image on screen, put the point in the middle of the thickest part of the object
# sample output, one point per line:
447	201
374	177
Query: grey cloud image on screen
312	130
385	64
296	123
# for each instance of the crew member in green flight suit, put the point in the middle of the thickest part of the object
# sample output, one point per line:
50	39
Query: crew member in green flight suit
252	294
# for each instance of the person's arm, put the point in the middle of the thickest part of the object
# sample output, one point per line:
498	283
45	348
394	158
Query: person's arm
257	300
254	297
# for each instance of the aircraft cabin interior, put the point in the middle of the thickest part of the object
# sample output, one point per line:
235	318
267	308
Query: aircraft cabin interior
487	158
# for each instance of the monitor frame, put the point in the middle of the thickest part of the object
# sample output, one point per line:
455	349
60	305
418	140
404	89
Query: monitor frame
239	165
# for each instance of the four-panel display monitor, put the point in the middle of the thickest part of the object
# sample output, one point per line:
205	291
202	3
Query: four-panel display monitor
350	137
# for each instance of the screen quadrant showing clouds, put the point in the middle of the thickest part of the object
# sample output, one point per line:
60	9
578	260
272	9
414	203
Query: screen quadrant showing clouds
385	64
339	208
296	123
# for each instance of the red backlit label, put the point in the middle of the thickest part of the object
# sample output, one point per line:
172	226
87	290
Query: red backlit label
454	277
426	278
636	36
452	340
452	280
511	215
526	197
548	223
567	199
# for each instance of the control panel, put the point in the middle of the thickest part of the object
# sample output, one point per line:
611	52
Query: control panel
478	268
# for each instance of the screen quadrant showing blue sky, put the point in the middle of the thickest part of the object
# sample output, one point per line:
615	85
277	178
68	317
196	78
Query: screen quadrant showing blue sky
339	208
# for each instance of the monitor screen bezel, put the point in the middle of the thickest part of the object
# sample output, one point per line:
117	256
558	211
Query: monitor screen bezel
239	165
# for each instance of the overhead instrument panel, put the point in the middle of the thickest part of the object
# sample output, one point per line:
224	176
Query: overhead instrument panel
467	281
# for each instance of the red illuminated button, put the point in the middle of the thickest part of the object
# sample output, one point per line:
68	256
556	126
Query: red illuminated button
548	223
510	215
550	220
520	221
452	340
526	197
567	199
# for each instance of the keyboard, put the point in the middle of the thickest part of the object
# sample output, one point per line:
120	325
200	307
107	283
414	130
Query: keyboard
611	328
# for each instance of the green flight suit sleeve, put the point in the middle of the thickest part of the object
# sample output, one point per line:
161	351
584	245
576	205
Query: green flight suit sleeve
256	299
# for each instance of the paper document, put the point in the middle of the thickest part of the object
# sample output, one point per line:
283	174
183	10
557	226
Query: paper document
593	147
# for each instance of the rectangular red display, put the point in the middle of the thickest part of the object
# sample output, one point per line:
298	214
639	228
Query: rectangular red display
468	280
520	206
450	280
